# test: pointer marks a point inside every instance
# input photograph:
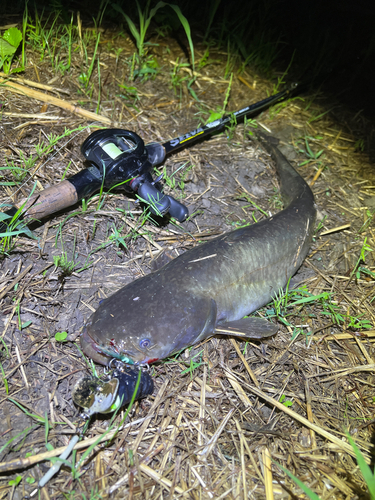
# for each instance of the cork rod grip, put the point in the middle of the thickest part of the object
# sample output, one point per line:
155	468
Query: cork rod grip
49	201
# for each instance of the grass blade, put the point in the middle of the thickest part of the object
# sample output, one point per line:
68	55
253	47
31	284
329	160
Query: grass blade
304	488
368	476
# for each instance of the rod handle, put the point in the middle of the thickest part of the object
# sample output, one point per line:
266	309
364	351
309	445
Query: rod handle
48	201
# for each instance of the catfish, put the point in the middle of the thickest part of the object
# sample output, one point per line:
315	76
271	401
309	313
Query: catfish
209	289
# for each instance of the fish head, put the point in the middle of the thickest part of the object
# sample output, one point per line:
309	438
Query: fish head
139	328
138	349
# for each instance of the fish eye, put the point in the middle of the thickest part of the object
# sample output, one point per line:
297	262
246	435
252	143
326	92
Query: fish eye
144	343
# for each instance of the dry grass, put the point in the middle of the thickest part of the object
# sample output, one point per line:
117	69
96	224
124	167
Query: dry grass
217	431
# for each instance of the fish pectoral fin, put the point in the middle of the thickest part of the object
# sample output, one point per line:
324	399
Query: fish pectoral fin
209	326
253	328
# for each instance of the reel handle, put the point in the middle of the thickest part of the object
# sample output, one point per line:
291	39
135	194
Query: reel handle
177	210
160	203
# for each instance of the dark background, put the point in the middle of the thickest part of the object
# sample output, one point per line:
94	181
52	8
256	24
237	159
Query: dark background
330	40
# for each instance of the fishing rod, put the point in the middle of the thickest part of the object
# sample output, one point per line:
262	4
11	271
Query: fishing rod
119	158
220	124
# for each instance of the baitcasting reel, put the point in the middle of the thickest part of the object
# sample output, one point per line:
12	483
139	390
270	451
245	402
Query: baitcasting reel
122	160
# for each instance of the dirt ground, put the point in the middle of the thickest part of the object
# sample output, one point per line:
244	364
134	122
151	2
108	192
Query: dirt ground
225	413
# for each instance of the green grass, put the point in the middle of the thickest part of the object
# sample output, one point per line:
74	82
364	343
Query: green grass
20	434
68	266
368	475
15	227
370	216
173	180
56	36
130	95
18	170
193	363
34	416
178	77
300	303
301	484
143	65
249	124
5	381
219	113
41	34
245	196
281	80
205	60
115	238
312	155
364	252
21	325
86	72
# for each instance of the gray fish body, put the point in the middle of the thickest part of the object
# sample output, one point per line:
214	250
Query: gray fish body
211	286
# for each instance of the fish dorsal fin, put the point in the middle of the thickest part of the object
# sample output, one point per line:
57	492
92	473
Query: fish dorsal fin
252	328
209	326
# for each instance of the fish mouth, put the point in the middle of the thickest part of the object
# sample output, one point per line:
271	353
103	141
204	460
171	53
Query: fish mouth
92	348
146	361
104	355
